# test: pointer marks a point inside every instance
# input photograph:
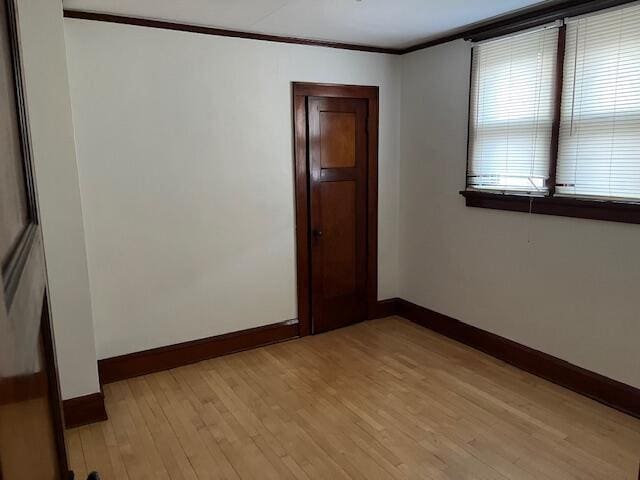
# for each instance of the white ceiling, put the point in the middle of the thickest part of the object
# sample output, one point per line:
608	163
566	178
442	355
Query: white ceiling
382	23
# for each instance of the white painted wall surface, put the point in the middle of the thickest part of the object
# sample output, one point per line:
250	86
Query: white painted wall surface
186	170
567	287
43	49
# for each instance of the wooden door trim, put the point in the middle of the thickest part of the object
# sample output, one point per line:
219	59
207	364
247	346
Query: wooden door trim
300	92
30	239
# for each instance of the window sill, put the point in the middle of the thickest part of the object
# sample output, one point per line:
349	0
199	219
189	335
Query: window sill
560	206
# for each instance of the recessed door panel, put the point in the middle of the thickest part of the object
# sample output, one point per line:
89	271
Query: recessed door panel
337	139
339	264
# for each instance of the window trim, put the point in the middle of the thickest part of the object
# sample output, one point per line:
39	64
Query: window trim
623	212
550	204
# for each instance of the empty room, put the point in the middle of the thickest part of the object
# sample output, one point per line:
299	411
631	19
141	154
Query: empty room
320	239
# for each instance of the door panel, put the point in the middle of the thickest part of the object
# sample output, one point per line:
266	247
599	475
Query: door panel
338	185
13	206
27	437
337	139
31	432
338	200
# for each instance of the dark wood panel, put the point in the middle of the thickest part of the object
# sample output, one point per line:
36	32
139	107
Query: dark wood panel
305	89
84	410
337	139
372	206
172	356
303	244
31	431
339	220
338	174
590	384
23	388
27	435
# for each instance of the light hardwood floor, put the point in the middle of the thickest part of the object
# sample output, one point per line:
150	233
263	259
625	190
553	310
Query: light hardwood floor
382	399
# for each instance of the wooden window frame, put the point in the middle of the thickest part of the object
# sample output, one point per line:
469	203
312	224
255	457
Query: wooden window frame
623	211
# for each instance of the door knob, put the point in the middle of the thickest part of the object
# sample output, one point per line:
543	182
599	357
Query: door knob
317	233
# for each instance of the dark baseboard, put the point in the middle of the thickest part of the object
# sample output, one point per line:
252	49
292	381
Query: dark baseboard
386	308
84	410
172	356
590	384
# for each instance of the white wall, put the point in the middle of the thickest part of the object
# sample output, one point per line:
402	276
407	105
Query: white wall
186	170
185	158
43	49
567	287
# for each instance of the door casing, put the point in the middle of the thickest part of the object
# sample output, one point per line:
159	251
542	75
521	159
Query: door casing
300	93
14	274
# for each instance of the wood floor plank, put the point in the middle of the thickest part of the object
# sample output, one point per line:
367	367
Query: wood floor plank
384	399
76	455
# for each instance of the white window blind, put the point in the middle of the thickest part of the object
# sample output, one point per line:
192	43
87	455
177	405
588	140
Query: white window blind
599	150
511	112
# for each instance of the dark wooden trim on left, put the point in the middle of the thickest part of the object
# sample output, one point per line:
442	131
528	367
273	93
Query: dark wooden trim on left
53	383
171	356
300	92
620	212
221	32
303	249
48	379
84	410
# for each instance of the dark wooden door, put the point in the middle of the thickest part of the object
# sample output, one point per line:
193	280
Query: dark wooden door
31	436
338	185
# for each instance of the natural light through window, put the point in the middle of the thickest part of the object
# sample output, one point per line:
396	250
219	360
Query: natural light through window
555	112
511	112
599	154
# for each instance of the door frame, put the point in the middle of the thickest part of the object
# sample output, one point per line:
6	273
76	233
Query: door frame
300	93
31	237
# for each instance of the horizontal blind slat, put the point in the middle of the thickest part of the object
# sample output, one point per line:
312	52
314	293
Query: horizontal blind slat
599	149
511	112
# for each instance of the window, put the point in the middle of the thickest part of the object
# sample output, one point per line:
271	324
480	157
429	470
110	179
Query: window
555	117
599	152
512	112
